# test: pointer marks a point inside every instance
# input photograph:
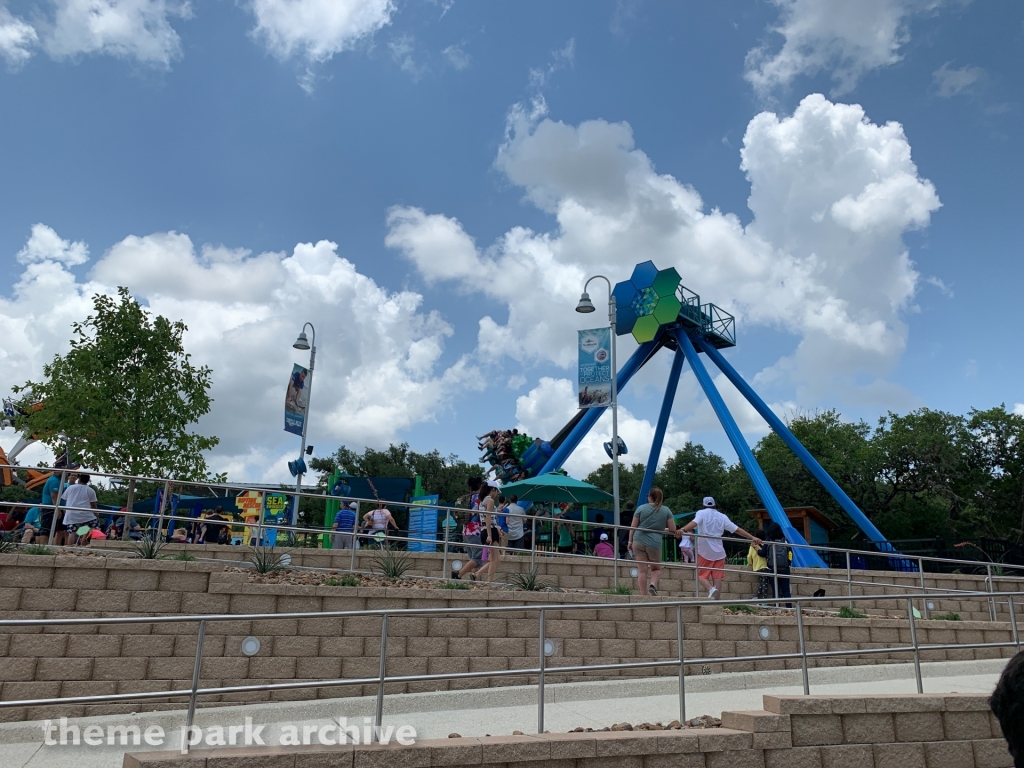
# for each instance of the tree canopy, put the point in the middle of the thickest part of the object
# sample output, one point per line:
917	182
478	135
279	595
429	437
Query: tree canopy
924	474
123	398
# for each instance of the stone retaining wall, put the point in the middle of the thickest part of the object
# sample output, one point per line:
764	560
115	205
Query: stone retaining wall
935	731
98	660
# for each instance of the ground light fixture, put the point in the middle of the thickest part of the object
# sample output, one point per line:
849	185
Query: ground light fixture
549	648
764	632
634	572
456	565
251	646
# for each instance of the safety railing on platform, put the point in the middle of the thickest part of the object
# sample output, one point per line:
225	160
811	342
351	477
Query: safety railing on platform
194	692
993	571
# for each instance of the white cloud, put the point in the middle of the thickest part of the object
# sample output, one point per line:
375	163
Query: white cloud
831	194
456	56
379	367
402	49
941	285
849	39
563	57
1018	409
317	29
135	29
549	405
951	82
17	39
46	245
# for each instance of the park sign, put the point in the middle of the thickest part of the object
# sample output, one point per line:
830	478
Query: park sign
595	368
296	400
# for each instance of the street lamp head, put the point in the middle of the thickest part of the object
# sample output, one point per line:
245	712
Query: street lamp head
586	306
302	342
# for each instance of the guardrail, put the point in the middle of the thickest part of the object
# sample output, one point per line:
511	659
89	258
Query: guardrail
540	671
993	571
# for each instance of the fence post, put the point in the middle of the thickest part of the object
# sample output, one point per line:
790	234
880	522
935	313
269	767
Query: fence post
615	556
447	528
991	600
126	530
1013	623
533	542
159	532
682	676
383	671
849	579
924	590
195	686
913	641
540	675
56	507
803	645
355	541
696	569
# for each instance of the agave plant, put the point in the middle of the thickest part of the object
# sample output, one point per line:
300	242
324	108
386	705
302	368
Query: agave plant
148	549
392	563
36	549
529	582
7	545
266	560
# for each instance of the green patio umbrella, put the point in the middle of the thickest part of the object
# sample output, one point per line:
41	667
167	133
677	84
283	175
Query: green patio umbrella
554	487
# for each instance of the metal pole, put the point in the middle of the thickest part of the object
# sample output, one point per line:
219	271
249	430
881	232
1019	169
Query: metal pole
615	556
56	507
615	410
355	540
1013	623
849	579
305	422
125	532
380	685
195	686
533	542
696	570
991	600
447	528
803	646
259	520
924	590
913	641
540	676
158	534
682	676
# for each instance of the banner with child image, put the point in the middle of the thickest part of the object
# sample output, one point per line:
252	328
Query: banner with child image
296	400
595	368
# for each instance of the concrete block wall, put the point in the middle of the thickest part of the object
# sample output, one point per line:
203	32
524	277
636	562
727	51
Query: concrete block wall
88	659
791	732
574	572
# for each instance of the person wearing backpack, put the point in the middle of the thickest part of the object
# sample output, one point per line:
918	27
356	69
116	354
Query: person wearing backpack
779	557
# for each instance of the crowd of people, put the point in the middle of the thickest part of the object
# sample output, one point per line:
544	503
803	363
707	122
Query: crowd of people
502	449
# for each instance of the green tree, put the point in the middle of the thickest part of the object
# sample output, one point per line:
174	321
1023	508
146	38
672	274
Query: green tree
690	474
122	399
996	472
631	477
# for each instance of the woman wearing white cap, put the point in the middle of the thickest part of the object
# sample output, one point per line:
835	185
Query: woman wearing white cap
710	552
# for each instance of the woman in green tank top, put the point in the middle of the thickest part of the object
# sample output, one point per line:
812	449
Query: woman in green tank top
645	536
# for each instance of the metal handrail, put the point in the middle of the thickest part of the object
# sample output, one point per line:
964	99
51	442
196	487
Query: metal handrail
540	671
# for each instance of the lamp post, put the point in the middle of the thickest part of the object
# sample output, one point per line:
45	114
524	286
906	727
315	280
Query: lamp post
586	306
303	343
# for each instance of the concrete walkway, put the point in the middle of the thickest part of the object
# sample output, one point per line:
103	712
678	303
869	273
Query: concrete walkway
500	711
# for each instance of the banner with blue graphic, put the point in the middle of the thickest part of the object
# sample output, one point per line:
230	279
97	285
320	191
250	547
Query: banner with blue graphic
296	400
595	368
423	523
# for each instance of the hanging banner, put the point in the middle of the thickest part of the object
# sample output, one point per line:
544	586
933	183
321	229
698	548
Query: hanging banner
296	400
423	523
595	368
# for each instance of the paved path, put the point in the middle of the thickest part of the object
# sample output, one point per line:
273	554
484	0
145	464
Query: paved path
500	711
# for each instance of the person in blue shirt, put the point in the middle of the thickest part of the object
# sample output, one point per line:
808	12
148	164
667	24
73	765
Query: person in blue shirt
345	523
32	525
52	491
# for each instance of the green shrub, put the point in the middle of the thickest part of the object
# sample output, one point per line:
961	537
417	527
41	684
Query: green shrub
846	612
8	546
747	609
348	580
529	582
265	560
35	549
453	585
621	589
392	563
947	616
184	555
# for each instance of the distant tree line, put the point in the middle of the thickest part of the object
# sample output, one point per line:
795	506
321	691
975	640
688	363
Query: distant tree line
921	475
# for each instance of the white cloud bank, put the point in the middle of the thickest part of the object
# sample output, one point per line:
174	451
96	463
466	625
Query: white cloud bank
849	39
379	368
317	29
832	195
17	39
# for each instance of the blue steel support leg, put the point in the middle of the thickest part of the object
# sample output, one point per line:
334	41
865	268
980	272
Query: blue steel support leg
802	453
634	364
805	558
659	432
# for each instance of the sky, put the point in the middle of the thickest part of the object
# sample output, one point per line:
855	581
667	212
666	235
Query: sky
431	183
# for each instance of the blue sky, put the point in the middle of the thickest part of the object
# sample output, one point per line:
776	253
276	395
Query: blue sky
429	183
